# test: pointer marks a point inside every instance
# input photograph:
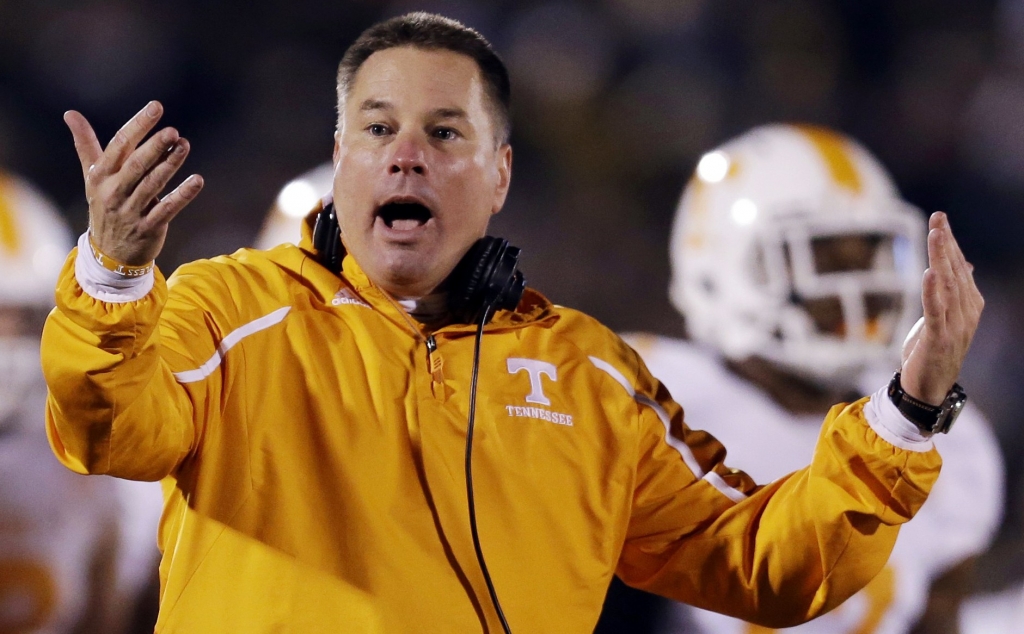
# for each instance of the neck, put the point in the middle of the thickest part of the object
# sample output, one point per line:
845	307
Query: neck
430	310
794	393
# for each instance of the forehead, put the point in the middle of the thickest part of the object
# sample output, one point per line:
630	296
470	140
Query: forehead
410	77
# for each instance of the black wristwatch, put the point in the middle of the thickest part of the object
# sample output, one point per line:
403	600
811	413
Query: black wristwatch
928	418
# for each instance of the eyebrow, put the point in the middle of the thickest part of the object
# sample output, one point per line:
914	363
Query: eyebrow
450	113
375	104
441	113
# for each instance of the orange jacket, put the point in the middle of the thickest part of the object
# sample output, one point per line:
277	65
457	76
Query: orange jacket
314	478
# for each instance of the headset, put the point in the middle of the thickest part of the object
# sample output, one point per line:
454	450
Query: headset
485	280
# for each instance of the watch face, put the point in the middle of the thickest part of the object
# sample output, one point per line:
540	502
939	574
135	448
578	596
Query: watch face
951	409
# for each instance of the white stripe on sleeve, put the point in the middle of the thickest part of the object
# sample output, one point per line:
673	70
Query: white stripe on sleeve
684	450
236	335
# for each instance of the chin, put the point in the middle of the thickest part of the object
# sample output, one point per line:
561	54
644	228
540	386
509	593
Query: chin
408	273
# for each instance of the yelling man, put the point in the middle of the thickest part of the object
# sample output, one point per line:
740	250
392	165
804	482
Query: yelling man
344	452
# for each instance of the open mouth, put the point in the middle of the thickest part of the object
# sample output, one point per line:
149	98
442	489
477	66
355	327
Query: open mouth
404	215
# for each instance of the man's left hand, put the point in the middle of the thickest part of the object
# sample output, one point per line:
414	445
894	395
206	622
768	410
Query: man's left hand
935	348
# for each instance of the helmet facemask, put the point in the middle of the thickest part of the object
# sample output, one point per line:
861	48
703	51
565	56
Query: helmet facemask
839	290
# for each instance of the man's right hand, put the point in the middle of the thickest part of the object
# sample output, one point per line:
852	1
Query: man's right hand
127	219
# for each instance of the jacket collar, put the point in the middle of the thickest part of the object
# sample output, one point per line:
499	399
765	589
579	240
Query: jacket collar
534	308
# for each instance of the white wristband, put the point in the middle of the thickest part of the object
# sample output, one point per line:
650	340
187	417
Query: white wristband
889	423
104	285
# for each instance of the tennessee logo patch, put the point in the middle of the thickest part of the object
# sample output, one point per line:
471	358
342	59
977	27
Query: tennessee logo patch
535	370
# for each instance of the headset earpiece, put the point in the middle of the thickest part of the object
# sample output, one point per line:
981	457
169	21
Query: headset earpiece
486	277
327	239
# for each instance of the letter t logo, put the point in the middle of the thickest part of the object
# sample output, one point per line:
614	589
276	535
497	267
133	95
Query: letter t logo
534	368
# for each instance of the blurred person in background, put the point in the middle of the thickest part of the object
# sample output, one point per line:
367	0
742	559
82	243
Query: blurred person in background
797	267
75	552
994	612
316	455
300	196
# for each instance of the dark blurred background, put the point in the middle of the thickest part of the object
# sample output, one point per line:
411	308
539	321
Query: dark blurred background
614	103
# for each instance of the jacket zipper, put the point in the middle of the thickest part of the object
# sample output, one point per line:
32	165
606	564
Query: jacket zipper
435	362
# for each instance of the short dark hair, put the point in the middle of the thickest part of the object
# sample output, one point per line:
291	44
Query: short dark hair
429	31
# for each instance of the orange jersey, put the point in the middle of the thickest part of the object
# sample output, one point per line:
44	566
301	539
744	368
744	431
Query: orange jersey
312	450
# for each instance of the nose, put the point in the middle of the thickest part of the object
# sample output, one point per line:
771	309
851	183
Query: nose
408	157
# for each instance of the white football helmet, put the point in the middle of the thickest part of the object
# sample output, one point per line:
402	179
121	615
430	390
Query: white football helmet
34	242
284	221
792	243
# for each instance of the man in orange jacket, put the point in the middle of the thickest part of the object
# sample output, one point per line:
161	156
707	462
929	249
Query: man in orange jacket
312	410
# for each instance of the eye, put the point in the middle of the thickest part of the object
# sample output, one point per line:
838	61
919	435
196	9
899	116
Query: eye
378	129
446	134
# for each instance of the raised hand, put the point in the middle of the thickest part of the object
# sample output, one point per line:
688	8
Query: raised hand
936	346
127	218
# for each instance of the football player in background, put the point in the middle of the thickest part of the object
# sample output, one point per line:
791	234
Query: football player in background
994	613
297	198
797	267
74	551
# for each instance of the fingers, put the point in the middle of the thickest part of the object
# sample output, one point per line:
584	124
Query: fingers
128	137
963	269
953	252
940	288
160	147
171	204
952	301
952	306
156	179
86	144
931	300
911	339
972	296
971	301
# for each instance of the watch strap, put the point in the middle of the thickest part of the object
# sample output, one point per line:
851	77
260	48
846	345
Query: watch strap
928	418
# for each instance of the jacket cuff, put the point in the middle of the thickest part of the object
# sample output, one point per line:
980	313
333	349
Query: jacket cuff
888	422
104	285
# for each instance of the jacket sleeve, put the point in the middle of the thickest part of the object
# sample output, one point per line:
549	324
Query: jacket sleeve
779	554
115	406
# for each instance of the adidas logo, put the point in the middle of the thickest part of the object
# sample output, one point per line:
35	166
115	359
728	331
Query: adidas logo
345	296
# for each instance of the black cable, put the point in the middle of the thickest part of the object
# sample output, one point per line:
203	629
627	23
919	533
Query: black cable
469	472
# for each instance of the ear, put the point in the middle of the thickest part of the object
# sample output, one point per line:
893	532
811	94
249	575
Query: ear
337	148
504	177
